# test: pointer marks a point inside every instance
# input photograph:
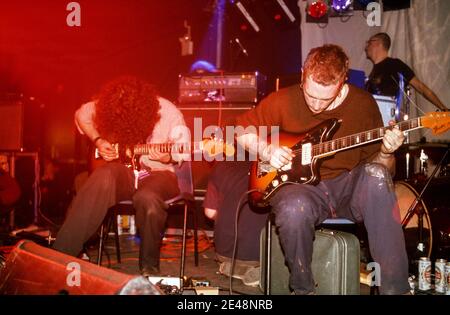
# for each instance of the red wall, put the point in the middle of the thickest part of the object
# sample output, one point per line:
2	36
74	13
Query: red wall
62	66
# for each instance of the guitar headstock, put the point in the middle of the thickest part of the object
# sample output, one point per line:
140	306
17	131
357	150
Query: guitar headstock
215	147
438	122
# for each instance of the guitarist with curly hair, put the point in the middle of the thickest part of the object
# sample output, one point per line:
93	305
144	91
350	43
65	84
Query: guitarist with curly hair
127	111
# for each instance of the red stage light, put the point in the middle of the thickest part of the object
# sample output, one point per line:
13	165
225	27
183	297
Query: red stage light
277	17
317	9
244	27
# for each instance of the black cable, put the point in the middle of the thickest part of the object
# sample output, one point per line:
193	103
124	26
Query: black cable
238	208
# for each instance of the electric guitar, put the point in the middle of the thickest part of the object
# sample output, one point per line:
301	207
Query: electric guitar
130	155
311	147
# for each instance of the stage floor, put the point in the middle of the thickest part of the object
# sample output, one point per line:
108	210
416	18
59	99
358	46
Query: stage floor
207	269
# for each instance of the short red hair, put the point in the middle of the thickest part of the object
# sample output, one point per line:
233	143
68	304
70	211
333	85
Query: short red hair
326	65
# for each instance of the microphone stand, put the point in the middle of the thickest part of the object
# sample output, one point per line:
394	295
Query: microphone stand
235	56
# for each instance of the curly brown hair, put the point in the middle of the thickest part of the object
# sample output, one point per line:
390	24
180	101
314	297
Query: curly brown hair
326	65
126	110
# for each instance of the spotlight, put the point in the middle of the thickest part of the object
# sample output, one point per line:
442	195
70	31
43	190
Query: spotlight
286	10
317	12
341	5
247	15
341	8
317	9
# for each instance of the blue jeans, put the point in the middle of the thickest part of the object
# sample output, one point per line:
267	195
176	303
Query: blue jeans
365	194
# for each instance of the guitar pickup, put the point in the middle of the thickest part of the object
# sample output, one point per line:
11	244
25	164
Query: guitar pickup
306	153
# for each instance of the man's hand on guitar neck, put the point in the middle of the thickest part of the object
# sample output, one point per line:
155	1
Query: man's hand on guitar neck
392	139
106	150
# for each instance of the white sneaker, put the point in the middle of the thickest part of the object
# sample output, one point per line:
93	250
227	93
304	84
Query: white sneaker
238	272
85	257
251	277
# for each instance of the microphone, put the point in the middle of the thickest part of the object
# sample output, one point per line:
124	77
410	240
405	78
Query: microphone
240	46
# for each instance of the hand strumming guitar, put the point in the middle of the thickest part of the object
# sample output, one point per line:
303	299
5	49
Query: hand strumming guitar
106	150
277	156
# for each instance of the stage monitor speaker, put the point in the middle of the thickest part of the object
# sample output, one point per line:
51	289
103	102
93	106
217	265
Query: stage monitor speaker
11	125
31	269
211	116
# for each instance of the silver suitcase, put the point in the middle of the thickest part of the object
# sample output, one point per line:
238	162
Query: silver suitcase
335	263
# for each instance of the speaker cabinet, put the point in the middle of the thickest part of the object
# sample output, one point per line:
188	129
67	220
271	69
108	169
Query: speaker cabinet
11	125
31	269
211	117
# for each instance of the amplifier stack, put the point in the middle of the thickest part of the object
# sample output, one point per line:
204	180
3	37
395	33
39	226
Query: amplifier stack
248	87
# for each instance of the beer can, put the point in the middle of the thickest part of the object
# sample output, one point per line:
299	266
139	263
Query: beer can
132	225
119	225
424	274
439	275
447	278
125	224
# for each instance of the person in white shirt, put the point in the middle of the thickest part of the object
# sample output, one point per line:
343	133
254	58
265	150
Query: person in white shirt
127	111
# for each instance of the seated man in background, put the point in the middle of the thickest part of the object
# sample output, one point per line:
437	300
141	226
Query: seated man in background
227	182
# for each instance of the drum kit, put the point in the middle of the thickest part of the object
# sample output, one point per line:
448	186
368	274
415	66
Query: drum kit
422	186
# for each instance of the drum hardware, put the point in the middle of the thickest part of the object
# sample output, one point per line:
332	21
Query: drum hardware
407	165
407	110
423	163
414	209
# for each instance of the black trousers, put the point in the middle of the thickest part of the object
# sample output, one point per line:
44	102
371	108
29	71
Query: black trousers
107	185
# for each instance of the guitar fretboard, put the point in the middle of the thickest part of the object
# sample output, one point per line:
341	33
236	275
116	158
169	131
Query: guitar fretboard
362	138
141	149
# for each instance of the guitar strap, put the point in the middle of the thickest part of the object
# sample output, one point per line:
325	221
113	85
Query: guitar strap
139	175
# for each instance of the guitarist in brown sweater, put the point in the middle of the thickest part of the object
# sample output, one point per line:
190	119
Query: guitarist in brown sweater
354	183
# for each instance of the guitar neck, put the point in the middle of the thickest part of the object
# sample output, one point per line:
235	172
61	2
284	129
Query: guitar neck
358	139
142	149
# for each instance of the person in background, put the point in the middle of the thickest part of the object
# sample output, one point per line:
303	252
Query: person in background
384	78
226	184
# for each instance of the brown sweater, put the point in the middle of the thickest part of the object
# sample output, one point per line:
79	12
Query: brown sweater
288	110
